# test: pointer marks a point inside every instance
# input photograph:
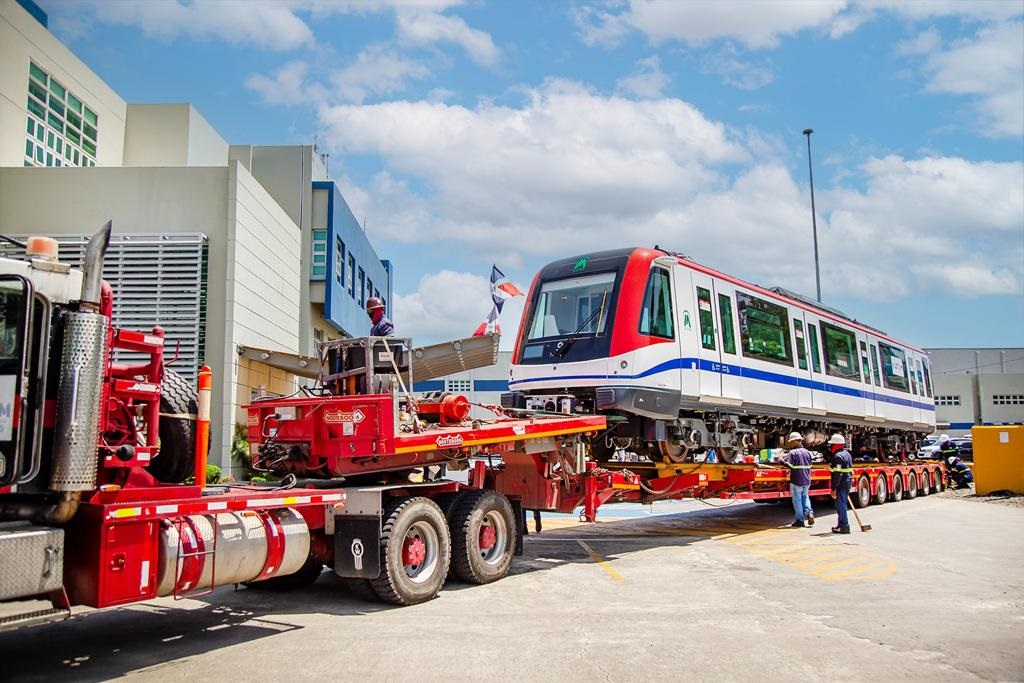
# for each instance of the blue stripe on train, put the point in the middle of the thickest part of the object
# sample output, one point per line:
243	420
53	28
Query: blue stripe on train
740	371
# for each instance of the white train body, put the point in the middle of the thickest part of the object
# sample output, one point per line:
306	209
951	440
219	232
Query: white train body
658	338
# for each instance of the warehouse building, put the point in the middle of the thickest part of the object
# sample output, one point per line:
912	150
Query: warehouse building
240	252
978	387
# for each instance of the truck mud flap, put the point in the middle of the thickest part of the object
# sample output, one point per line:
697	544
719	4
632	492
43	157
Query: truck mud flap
357	547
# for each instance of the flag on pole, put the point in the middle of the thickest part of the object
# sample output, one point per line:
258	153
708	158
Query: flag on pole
502	289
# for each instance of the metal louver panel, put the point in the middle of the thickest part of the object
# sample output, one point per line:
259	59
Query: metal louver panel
157	280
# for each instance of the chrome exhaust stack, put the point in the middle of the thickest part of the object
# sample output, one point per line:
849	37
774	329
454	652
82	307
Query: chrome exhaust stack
83	361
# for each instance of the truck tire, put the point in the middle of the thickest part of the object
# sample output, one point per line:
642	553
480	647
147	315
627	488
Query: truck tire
881	490
862	493
305	577
483	529
179	405
415	551
912	485
924	483
937	483
897	488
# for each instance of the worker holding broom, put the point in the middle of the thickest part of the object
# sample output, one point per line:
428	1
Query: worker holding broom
841	467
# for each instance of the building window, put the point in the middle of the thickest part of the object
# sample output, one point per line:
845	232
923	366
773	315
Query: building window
351	275
764	329
339	262
1008	400
458	386
947	400
57	116
318	263
362	287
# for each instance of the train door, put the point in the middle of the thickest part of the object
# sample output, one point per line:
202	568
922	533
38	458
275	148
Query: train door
870	407
708	347
805	380
731	376
688	342
818	393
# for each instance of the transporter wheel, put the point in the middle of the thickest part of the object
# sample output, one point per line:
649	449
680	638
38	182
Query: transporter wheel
483	529
179	406
912	485
306	576
862	493
415	550
937	483
897	488
881	490
924	483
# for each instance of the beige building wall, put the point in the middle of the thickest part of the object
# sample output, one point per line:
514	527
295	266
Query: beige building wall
253	290
948	390
1010	390
171	135
22	39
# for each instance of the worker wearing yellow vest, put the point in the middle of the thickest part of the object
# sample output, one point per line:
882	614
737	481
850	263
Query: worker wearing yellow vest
841	467
798	459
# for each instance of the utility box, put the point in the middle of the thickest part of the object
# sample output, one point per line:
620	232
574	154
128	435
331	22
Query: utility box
998	459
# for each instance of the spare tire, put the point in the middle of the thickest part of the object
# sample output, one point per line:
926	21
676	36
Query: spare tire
179	407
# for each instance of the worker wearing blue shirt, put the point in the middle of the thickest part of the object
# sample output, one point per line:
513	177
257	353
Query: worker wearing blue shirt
799	459
841	468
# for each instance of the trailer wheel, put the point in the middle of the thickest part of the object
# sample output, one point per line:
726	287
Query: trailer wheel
483	536
862	494
912	485
305	577
179	405
924	483
415	550
937	483
881	490
897	488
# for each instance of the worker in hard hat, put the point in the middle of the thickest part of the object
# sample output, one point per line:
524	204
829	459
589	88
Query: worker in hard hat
382	327
798	460
841	467
947	449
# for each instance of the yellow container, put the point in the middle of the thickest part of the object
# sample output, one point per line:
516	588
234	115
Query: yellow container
998	459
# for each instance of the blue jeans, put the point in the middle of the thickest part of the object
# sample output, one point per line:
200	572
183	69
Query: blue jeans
842	500
801	501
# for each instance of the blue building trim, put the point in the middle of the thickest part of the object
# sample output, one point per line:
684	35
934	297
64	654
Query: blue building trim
35	10
429	385
742	371
490	385
342	309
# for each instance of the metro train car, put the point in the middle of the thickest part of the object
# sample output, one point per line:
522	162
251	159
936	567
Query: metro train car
689	363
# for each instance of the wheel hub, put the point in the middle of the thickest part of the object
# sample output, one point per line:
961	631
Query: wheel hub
414	551
488	537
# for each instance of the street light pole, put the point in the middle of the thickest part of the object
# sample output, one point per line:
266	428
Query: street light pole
814	218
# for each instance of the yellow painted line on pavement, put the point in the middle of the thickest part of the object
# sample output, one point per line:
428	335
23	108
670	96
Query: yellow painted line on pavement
603	563
856	572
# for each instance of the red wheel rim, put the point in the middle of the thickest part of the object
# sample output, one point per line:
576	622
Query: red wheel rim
488	537
414	551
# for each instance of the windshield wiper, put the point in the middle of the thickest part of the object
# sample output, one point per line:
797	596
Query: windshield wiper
567	344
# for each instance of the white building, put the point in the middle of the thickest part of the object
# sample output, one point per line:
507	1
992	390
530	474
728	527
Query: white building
978	387
237	251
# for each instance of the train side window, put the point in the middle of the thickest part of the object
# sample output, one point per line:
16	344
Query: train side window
656	316
707	319
894	367
840	352
913	376
801	350
725	315
864	362
815	354
874	365
764	329
927	379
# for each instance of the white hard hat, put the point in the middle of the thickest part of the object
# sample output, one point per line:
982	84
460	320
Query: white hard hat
837	439
944	437
795	436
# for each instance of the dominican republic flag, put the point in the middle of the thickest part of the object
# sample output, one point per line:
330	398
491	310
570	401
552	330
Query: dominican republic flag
501	289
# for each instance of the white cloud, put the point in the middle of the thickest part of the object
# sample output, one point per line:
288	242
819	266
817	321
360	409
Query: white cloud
267	25
754	23
734	71
647	80
417	27
377	70
923	43
989	68
286	86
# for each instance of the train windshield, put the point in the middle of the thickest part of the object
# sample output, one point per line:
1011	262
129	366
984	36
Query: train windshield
569	316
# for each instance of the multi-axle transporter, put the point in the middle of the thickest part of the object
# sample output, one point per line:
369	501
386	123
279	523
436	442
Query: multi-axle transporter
94	455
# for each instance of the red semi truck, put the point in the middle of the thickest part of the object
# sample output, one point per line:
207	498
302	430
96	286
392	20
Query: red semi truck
94	455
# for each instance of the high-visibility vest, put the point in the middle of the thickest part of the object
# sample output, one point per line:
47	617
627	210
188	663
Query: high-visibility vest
841	470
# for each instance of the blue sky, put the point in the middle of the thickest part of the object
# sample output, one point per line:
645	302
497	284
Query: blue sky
467	133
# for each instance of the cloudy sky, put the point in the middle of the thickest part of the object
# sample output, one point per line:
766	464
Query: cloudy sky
517	132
